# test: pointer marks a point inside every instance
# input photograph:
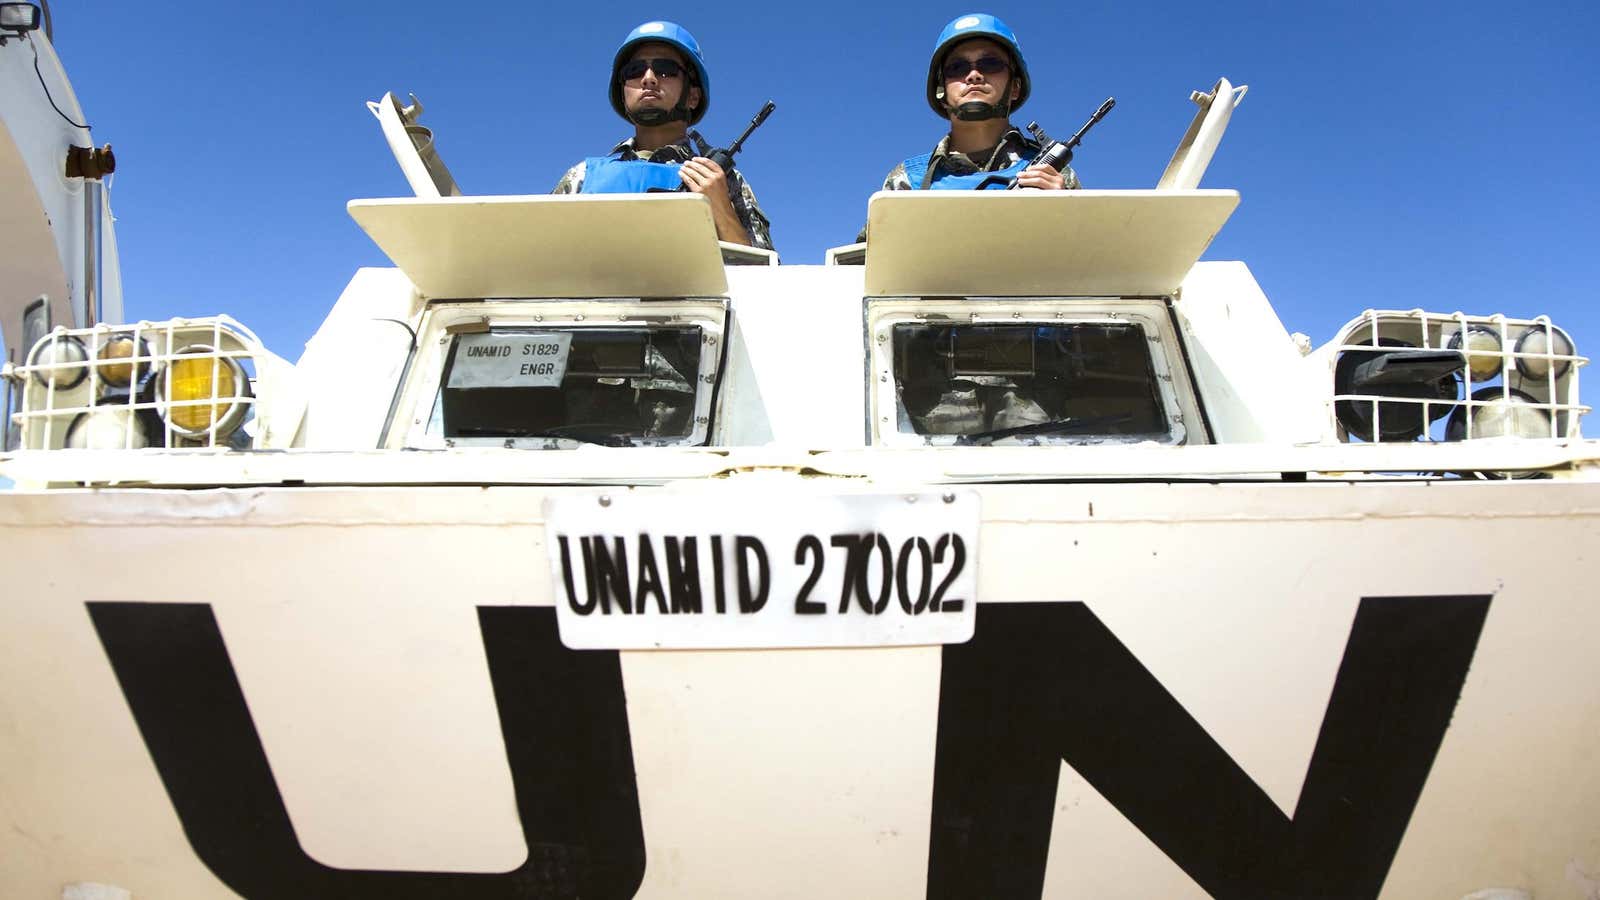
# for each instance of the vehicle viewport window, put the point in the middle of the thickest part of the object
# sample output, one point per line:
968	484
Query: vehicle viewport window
1068	380
608	386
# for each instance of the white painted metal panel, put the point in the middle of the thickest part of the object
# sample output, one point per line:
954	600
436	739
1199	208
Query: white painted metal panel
378	313
1566	460
615	245
797	368
51	226
30	268
779	774
1245	365
412	146
41	210
1038	243
1199	144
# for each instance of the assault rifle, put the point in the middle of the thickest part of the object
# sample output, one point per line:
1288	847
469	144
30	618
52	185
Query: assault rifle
724	158
1057	154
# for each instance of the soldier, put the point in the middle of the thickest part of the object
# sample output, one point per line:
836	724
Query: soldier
659	83
976	77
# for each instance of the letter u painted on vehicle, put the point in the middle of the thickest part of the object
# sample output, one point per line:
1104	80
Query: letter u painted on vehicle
575	789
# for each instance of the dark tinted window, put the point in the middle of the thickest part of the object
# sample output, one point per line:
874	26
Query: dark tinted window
619	384
1090	379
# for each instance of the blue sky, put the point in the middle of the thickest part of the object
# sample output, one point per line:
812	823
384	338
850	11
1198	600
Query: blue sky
1416	154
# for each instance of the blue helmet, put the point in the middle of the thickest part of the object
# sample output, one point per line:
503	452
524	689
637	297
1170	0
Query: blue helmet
974	25
672	34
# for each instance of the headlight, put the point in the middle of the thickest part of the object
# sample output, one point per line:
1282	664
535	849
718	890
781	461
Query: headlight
1503	413
58	362
202	393
1481	346
123	361
1541	351
112	428
1499	412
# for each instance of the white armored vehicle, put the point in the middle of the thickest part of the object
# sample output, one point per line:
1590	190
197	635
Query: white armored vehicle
1044	566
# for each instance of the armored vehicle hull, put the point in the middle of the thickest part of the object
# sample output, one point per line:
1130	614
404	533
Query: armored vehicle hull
1040	566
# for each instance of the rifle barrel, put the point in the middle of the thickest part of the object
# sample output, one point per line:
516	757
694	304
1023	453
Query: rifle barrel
754	124
1093	120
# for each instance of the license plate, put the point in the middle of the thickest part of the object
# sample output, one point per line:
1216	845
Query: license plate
666	570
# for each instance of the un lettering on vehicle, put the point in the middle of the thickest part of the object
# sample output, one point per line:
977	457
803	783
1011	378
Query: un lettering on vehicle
644	572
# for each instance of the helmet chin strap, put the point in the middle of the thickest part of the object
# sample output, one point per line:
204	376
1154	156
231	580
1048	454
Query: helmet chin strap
650	118
978	111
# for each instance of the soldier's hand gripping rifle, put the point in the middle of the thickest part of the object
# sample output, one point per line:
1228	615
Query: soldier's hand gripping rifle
1057	154
724	158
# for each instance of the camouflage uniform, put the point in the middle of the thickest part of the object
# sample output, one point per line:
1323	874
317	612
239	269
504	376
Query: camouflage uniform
744	204
1013	146
1008	153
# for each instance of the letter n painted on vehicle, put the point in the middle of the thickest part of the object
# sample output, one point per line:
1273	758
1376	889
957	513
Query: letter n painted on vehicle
1043	683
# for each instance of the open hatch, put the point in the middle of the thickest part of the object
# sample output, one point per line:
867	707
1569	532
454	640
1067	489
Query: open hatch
1032	317
1039	243
604	245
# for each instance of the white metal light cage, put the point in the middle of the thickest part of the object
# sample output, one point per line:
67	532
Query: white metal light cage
183	383
1431	377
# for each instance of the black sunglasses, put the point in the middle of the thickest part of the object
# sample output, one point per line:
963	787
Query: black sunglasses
634	69
988	65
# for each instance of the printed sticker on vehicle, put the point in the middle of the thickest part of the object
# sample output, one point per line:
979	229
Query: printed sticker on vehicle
492	360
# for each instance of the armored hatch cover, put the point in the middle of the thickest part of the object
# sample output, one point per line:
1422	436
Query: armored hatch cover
618	245
1038	243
